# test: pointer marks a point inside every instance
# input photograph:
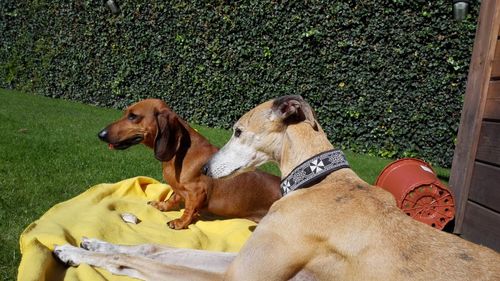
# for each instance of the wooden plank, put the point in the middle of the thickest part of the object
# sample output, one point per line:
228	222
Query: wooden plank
474	103
488	149
492	106
497	51
494	90
495	70
485	186
481	226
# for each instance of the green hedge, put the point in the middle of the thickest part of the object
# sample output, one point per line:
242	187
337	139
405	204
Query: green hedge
386	77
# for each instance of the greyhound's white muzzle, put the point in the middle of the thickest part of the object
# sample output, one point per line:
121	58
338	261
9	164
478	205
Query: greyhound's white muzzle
234	158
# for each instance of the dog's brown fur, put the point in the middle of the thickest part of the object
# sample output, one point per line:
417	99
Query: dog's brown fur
183	152
341	228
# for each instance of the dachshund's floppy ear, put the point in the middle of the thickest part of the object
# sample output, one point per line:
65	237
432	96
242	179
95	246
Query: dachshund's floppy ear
293	109
167	135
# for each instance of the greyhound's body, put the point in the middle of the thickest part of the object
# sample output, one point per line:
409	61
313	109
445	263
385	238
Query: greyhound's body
340	228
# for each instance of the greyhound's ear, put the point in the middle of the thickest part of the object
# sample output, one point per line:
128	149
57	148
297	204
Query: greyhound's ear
293	109
167	135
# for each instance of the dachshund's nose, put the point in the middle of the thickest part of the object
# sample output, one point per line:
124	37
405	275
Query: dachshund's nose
204	169
103	135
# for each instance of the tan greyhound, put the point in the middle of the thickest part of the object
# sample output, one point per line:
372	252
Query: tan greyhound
333	226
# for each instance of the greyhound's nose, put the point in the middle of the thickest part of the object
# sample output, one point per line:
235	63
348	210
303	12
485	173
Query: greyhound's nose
103	135
204	169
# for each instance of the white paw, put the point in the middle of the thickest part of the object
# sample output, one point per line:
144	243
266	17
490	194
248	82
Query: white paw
95	245
68	254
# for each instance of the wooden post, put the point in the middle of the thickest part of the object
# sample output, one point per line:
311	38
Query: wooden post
480	71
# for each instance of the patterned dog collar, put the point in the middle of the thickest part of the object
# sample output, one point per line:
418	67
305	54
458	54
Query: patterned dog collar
313	169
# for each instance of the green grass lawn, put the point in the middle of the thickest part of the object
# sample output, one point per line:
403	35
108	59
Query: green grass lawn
49	152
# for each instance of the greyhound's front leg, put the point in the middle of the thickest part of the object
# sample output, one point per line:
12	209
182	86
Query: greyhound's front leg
154	262
99	246
115	263
200	259
165	265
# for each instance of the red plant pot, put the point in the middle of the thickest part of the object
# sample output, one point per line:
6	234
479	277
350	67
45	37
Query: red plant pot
418	191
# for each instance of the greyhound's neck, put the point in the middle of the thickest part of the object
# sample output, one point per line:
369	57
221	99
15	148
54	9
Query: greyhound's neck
301	142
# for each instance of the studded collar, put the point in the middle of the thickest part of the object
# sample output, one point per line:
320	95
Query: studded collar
313	170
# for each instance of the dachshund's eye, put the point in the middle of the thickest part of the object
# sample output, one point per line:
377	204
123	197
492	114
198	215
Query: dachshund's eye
237	132
132	116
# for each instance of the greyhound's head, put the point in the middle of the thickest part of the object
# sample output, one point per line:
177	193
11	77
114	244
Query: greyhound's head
259	136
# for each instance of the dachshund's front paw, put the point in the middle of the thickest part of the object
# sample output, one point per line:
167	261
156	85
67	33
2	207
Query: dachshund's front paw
160	205
69	255
177	224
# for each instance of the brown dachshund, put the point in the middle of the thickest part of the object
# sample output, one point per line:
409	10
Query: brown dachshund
183	152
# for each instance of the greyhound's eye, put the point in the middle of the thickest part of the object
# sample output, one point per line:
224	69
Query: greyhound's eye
132	116
237	132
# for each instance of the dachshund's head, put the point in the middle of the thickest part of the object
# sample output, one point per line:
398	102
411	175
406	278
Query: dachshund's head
150	122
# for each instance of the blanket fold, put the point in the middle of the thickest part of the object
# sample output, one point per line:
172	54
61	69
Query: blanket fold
96	213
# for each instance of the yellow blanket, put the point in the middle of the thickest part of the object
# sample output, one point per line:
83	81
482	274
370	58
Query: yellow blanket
96	214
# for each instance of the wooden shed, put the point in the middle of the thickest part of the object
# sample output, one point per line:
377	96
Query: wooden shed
475	173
